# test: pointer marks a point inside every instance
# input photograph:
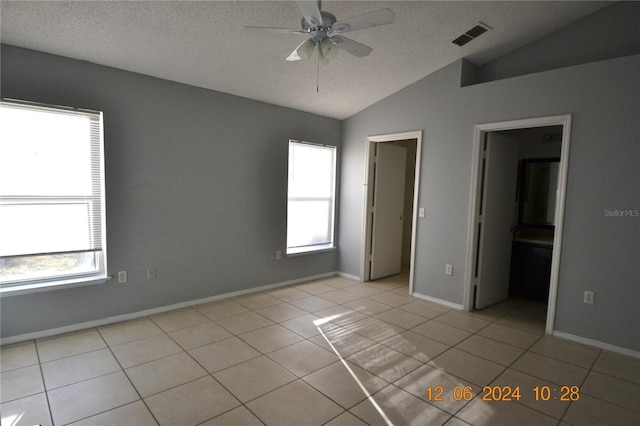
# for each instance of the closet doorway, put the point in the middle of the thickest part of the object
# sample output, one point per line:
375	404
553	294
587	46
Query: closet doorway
390	200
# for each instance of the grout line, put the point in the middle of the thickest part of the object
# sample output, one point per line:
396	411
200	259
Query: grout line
74	355
128	378
345	327
44	385
368	395
505	368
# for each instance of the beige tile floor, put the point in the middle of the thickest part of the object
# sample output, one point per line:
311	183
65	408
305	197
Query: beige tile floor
332	352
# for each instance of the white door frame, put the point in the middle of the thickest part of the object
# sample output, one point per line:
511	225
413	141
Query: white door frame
368	195
476	170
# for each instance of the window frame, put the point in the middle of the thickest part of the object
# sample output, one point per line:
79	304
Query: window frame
325	246
68	278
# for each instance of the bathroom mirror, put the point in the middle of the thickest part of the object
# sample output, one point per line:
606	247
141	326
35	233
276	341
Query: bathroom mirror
537	192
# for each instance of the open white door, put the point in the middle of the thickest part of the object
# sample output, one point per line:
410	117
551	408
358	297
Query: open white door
388	210
496	220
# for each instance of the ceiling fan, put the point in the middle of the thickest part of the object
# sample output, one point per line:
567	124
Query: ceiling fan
324	32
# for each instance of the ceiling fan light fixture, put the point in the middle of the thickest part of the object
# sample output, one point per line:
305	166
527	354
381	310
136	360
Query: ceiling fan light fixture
307	49
303	51
329	49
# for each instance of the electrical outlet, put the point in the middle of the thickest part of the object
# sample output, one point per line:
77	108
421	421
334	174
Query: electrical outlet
448	269
589	297
122	276
151	273
279	254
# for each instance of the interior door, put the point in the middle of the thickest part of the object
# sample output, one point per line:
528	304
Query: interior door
388	210
496	220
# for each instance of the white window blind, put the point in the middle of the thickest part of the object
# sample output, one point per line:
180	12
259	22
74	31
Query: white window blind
52	219
311	197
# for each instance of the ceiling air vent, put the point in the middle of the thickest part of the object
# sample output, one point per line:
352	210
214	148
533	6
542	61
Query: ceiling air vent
471	34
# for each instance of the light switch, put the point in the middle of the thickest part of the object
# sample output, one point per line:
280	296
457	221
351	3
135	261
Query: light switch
421	212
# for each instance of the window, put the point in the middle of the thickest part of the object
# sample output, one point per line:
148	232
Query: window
52	208
311	197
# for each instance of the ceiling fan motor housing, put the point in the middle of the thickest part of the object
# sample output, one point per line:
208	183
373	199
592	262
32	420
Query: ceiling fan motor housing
319	31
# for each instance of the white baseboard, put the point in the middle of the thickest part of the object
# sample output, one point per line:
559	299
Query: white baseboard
140	314
597	344
438	301
349	276
571	337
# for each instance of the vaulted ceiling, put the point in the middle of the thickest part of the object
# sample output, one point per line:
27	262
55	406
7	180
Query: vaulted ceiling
203	43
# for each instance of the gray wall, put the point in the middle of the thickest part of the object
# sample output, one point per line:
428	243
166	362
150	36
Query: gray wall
610	33
196	186
599	253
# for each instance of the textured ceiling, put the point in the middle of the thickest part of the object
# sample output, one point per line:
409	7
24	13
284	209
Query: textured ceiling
203	43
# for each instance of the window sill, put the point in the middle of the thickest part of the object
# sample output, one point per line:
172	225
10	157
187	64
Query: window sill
17	290
310	250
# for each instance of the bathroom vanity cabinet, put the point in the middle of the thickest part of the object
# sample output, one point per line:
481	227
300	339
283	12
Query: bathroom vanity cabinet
530	270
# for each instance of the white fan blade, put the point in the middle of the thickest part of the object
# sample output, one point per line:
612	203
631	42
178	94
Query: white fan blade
304	50
368	20
276	30
310	11
357	49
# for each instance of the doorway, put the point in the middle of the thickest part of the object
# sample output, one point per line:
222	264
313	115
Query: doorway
412	141
489	243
